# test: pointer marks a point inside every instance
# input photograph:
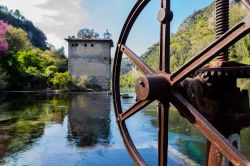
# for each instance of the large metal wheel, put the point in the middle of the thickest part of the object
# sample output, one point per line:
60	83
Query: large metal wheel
162	86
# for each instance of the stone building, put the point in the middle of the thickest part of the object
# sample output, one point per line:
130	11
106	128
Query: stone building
90	57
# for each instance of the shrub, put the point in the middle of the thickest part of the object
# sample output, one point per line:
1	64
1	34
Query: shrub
83	82
50	70
94	83
62	81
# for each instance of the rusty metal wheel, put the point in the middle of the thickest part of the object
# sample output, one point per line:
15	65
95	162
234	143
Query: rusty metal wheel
163	86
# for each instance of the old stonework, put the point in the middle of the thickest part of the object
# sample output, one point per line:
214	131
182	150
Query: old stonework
92	58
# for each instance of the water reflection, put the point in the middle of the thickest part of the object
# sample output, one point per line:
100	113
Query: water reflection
182	135
89	119
23	119
80	129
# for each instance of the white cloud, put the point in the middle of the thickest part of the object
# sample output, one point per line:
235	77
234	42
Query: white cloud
68	14
27	8
56	18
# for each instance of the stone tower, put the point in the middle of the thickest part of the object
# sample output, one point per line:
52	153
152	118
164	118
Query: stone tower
92	58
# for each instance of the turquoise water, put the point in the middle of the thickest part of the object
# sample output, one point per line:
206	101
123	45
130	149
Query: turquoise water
80	129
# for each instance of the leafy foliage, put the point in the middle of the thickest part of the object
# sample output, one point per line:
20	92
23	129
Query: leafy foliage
107	35
27	67
197	32
29	70
87	34
3	43
62	80
129	79
83	82
17	20
152	56
17	39
28	64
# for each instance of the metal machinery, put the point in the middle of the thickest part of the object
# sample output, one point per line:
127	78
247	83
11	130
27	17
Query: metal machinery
204	92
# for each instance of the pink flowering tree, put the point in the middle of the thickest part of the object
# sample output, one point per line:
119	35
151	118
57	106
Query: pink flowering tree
3	43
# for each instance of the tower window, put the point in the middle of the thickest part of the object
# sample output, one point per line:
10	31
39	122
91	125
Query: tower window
85	45
92	45
74	45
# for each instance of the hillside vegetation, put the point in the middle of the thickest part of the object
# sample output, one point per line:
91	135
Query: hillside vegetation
17	20
25	61
194	34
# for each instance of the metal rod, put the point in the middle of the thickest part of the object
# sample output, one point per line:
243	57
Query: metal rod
246	3
139	105
147	70
163	133
165	16
165	37
222	24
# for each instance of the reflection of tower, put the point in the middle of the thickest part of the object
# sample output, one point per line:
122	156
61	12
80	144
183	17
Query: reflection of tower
89	119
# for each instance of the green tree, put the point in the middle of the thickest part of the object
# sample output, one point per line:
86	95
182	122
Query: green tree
17	39
17	14
87	33
27	59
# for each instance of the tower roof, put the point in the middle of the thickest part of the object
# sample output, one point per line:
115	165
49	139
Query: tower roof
71	39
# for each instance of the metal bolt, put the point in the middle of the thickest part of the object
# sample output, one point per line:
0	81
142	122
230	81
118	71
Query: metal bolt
164	15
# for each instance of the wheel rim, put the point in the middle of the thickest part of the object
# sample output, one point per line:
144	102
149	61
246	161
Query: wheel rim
135	12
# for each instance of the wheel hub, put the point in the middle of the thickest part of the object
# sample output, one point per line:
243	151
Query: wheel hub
152	87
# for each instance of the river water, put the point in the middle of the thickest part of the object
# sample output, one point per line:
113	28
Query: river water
80	129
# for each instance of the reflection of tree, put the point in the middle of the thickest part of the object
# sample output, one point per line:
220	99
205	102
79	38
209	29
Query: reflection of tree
23	117
245	142
177	123
89	119
193	149
189	142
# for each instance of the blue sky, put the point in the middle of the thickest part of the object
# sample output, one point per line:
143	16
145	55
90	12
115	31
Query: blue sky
60	18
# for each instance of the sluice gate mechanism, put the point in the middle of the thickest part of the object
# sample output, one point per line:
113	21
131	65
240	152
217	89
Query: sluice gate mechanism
209	77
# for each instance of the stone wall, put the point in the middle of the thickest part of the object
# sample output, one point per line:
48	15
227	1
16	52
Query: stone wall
91	58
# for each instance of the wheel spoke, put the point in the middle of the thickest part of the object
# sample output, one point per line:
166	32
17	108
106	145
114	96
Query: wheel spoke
212	51
134	109
136	60
163	133
246	3
165	37
208	130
